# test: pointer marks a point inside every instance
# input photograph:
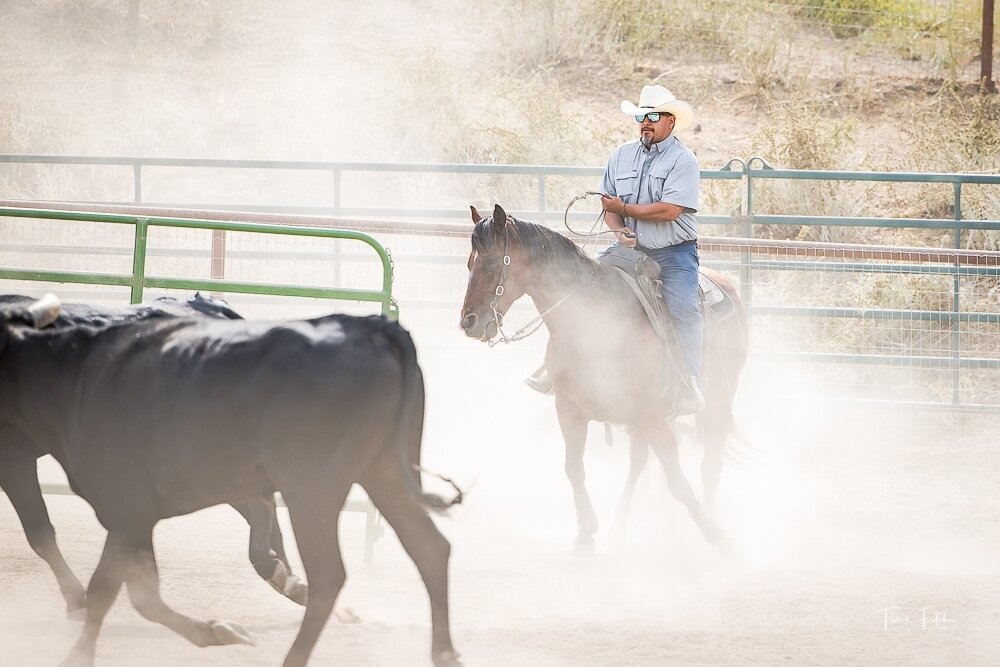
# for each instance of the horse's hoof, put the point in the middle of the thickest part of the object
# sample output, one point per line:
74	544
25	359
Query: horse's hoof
714	534
230	633
345	615
727	548
78	659
447	658
79	615
584	545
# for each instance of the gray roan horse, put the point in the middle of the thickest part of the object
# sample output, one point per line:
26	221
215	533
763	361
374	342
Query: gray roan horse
604	357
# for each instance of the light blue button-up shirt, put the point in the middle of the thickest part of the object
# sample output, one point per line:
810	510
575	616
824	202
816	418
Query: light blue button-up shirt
672	175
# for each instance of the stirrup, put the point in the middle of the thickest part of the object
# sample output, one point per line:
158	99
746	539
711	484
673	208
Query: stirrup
689	397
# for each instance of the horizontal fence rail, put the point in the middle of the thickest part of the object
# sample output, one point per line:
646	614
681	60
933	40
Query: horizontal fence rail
748	171
138	280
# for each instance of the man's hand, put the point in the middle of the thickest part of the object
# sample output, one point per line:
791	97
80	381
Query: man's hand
626	238
613	204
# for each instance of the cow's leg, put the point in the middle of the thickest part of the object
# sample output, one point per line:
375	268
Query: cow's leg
19	478
267	548
638	456
574	430
313	507
664	445
101	593
144	592
429	549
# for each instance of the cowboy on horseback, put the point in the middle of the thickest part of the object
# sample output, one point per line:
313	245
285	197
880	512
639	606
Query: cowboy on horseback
650	197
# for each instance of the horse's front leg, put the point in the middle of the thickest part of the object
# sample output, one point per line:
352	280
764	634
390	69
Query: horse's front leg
662	440
638	456
574	430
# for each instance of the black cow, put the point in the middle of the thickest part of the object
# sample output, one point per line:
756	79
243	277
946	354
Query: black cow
19	454
163	417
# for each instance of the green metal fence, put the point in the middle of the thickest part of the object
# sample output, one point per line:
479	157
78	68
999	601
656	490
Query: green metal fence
138	280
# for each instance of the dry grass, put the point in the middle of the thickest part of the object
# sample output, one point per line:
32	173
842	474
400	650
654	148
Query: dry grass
521	81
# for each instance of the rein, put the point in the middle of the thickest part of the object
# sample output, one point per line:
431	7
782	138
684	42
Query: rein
532	326
592	234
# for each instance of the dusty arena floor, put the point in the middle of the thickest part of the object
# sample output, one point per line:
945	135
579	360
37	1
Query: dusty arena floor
862	537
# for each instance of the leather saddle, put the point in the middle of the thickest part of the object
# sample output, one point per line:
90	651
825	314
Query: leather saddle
642	274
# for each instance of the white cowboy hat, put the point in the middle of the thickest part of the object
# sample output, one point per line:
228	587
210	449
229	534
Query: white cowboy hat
658	98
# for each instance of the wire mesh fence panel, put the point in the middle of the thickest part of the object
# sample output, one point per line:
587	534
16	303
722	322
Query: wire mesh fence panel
862	326
65	245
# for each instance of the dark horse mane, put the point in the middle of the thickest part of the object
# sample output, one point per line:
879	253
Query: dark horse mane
544	247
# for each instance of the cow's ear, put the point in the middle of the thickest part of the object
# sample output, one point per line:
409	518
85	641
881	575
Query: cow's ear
475	215
45	311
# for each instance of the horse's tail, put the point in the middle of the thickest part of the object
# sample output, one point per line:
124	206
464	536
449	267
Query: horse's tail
411	421
728	349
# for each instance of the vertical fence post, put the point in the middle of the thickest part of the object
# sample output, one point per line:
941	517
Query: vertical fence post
337	245
139	258
986	54
136	182
956	320
541	197
218	257
747	257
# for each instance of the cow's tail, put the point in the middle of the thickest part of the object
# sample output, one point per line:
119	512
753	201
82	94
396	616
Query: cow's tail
411	422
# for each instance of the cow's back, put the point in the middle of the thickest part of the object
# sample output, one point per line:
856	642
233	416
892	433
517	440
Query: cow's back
203	411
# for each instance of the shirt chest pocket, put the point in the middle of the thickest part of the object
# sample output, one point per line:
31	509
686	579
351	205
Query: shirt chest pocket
626	185
657	177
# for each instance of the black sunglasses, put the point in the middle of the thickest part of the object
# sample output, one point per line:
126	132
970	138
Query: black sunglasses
653	116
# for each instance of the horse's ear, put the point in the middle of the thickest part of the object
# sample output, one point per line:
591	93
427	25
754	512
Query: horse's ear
499	217
475	215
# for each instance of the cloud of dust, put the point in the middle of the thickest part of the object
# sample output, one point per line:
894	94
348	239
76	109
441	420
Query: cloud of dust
831	487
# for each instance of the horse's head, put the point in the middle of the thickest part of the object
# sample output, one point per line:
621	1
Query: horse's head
497	274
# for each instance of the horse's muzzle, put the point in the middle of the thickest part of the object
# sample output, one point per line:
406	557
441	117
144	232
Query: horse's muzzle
476	327
470	325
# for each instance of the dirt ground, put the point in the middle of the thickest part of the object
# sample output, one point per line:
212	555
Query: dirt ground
861	537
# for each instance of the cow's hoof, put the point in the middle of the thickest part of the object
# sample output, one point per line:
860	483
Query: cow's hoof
345	615
296	590
230	633
447	658
289	585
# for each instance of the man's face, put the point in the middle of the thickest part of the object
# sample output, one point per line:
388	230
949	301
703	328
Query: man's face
653	132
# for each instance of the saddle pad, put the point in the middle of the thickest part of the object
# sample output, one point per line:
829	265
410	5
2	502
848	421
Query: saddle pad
711	293
714	297
648	293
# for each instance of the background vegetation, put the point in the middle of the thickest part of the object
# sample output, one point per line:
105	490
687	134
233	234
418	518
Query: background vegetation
819	84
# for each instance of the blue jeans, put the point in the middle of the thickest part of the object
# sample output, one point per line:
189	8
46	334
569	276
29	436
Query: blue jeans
679	273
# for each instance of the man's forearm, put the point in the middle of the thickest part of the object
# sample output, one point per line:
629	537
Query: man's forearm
614	220
655	212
